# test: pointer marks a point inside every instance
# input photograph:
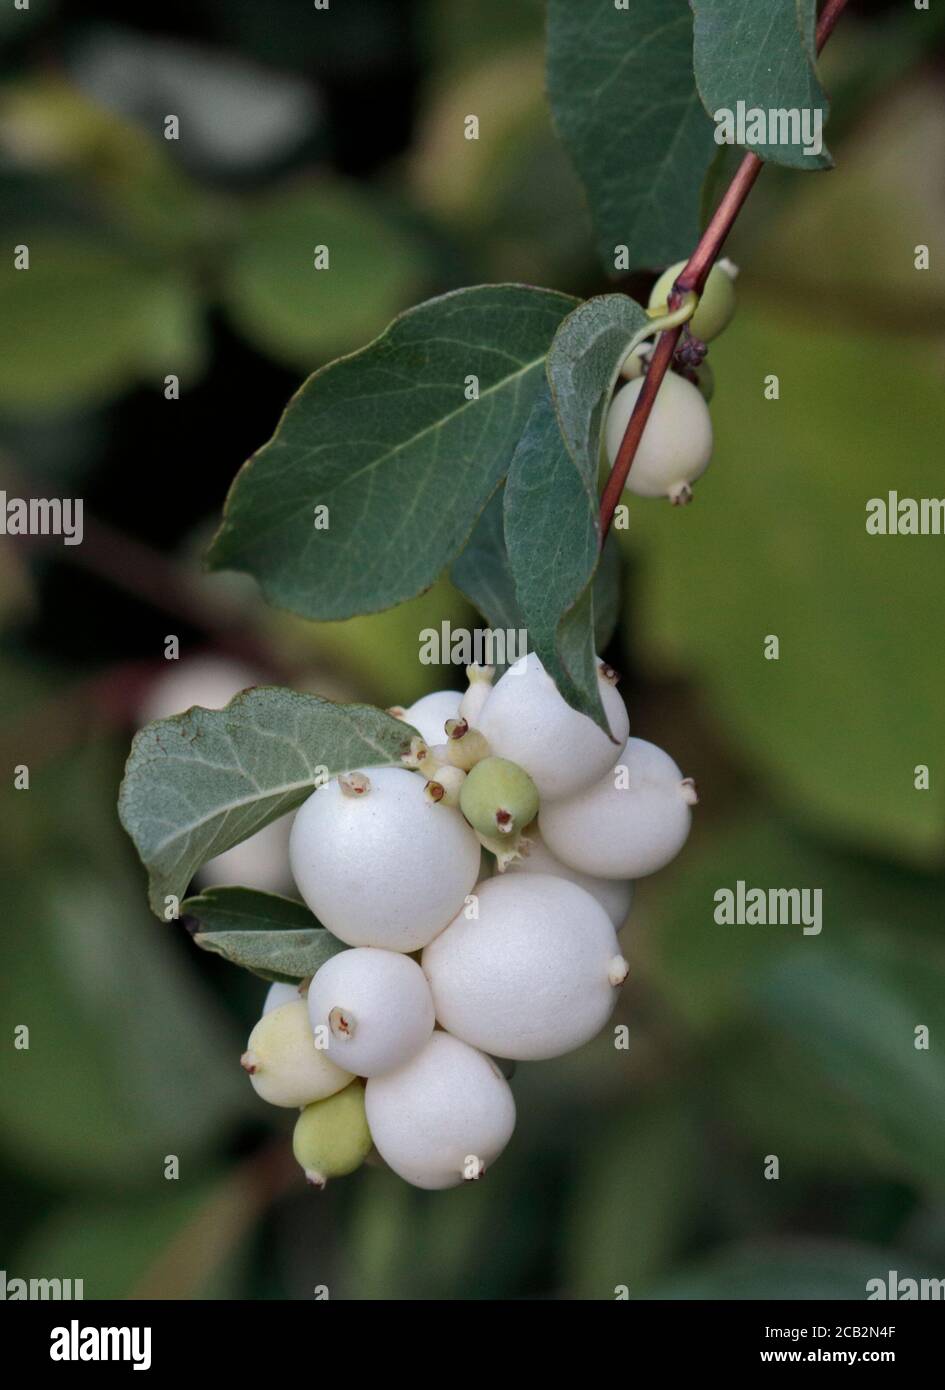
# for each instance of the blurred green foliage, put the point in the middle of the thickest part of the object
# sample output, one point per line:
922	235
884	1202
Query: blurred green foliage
643	1167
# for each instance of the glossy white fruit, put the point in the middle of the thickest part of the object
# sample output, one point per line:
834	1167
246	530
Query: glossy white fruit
429	714
444	1117
635	820
279	994
283	1063
389	867
534	976
527	721
375	1008
614	895
676	445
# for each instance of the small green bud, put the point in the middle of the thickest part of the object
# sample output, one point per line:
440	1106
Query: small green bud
499	799
331	1137
716	307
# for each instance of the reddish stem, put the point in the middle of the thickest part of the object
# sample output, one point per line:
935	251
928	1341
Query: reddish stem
693	277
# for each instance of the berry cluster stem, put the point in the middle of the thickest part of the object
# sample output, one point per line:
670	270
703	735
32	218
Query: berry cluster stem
693	277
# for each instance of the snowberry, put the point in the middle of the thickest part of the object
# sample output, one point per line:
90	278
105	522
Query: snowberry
527	721
331	1137
375	1007
716	305
533	976
444	1117
278	995
498	798
378	862
446	784
429	714
676	445
480	688
637	360
283	1062
635	820
614	895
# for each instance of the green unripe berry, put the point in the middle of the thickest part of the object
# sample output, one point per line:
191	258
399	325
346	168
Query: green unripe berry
498	798
717	303
331	1137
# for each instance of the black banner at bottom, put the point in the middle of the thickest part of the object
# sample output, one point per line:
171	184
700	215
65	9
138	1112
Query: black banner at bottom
169	1339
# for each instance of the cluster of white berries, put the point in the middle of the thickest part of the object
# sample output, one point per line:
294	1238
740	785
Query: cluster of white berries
479	888
676	446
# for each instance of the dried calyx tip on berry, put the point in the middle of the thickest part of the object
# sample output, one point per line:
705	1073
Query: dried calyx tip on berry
689	792
354	784
446	785
618	970
417	753
466	746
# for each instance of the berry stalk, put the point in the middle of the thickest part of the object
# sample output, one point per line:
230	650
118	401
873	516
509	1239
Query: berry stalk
693	277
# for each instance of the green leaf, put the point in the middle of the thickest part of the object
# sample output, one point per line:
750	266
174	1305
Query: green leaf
551	532
625	103
552	526
203	781
583	363
776	544
272	936
482	573
389	442
303	315
760	54
85	322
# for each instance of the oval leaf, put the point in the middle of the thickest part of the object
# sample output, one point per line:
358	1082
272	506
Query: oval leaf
272	936
758	55
625	103
390	443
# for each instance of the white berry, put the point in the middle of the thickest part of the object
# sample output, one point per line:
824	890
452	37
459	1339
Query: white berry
526	720
676	444
615	895
279	994
379	862
429	714
283	1062
533	976
635	820
444	1117
374	1007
